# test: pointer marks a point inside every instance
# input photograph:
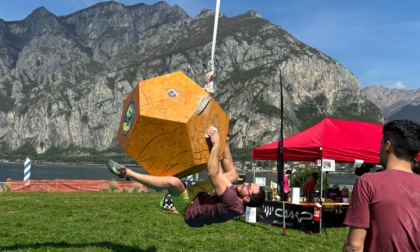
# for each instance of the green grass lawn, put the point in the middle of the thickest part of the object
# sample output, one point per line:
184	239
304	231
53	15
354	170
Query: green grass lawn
50	221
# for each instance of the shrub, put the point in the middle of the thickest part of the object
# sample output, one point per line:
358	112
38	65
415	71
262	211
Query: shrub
136	188
104	189
300	178
114	187
5	187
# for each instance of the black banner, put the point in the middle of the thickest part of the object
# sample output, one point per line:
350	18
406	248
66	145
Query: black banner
295	216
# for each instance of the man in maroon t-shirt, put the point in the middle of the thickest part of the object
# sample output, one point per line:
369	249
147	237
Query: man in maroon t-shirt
206	202
383	212
309	188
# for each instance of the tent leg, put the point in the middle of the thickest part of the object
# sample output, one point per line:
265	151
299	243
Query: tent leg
320	194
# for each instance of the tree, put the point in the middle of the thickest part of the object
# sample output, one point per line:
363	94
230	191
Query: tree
300	178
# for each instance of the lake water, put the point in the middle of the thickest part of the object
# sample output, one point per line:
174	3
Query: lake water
57	171
100	172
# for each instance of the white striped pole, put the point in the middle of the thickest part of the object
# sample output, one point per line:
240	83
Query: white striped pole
27	172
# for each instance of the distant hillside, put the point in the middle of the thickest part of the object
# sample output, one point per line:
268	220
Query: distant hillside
407	112
391	100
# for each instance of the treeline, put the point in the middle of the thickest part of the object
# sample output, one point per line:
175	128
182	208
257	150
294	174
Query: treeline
71	154
77	155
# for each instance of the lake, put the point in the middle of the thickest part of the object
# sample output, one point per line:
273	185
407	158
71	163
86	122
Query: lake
100	172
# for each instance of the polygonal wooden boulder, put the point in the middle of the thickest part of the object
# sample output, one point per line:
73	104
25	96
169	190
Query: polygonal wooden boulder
164	123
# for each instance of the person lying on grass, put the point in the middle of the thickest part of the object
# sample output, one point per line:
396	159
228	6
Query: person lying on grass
215	200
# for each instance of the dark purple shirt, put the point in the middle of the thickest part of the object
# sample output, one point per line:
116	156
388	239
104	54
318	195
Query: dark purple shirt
209	208
387	204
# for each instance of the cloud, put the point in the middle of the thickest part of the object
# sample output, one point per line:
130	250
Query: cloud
398	85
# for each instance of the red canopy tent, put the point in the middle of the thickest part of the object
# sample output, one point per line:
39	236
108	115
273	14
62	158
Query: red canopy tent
341	140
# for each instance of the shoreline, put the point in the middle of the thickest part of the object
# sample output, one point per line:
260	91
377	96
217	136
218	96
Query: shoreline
138	166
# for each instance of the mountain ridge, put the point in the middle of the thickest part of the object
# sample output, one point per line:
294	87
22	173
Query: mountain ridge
409	111
391	101
63	79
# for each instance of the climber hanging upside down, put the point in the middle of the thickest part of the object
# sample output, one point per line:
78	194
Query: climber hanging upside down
212	201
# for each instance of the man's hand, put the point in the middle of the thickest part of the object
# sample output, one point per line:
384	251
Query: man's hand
213	135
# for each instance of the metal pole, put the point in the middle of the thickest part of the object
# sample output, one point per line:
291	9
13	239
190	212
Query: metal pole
280	154
253	172
322	179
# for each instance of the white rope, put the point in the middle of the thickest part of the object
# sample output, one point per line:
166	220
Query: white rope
209	76
216	23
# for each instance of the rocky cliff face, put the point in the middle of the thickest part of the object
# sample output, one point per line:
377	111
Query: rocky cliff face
63	79
390	100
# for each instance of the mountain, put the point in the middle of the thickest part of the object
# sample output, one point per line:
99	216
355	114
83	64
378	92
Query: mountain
407	112
63	79
391	100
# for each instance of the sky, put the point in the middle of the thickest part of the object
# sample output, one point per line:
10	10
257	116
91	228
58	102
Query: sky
377	41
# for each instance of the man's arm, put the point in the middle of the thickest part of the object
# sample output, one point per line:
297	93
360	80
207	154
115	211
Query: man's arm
355	240
227	163
214	171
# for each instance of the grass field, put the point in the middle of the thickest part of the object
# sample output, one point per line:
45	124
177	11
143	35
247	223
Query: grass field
49	221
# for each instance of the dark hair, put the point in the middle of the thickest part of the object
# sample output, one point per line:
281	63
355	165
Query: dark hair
257	199
315	174
288	172
404	135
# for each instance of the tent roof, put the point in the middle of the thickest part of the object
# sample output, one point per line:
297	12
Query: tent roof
341	140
